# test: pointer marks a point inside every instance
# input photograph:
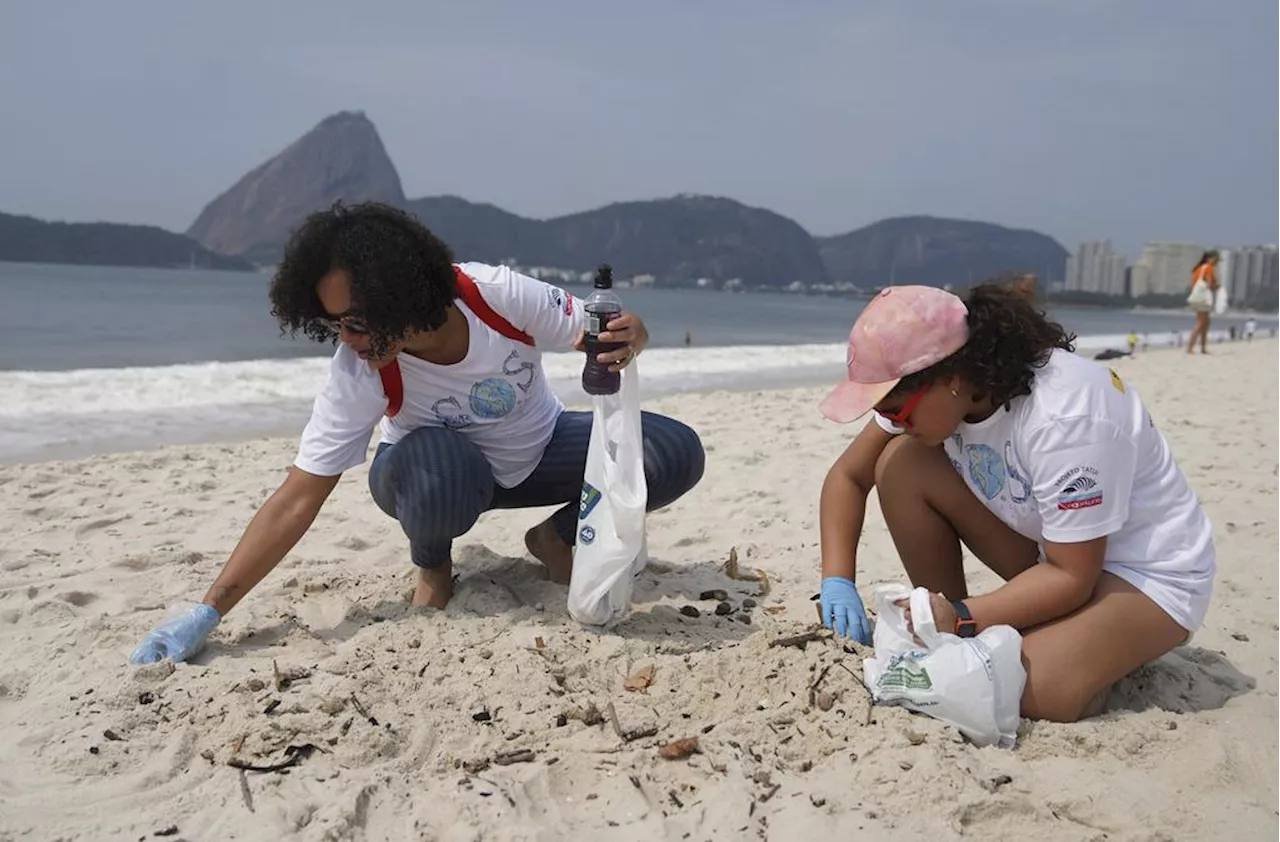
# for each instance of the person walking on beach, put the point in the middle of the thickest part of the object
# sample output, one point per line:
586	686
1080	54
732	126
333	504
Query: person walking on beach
1204	286
446	359
988	431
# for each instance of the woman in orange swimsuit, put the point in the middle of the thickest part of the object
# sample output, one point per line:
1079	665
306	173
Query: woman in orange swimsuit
1204	286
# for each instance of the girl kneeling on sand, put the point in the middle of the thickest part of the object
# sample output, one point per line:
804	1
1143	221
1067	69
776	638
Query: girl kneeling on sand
1046	465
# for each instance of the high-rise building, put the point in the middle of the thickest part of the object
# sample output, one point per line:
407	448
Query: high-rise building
1095	268
1164	269
1249	275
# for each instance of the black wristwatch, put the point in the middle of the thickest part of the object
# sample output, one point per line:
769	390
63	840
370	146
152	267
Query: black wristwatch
965	626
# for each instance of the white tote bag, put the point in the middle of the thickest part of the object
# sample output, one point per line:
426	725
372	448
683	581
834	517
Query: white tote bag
611	548
1201	297
974	683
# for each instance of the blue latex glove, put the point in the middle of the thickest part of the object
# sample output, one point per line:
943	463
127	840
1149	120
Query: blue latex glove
842	609
180	634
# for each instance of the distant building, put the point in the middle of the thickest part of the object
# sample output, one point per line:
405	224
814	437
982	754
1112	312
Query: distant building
1164	269
1249	274
1096	268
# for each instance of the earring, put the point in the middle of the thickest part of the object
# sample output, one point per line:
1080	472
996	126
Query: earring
954	393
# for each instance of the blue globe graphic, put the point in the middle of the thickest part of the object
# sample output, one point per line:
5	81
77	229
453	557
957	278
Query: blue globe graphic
492	398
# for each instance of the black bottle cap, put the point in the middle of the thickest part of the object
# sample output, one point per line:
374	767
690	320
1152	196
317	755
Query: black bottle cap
604	277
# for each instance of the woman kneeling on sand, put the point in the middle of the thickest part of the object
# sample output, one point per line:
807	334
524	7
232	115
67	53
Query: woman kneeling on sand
1046	465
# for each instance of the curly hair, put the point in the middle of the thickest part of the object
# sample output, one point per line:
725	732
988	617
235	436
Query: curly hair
1008	340
401	274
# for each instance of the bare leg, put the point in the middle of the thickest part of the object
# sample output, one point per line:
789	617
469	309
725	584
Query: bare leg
929	511
545	545
1204	333
1073	661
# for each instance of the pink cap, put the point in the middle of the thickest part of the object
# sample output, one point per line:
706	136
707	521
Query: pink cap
903	330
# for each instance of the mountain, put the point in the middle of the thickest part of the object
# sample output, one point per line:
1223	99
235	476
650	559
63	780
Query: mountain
484	232
933	251
677	240
341	158
684	238
25	239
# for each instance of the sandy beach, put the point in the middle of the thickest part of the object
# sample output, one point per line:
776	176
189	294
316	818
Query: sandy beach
501	719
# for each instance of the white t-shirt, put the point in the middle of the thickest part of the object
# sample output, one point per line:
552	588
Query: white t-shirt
497	396
1080	458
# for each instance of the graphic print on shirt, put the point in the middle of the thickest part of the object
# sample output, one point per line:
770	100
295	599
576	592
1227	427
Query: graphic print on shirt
519	367
955	463
560	300
449	412
1078	489
986	469
1016	478
492	397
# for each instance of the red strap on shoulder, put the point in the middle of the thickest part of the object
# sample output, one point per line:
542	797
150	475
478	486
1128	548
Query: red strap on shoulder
393	385
468	292
393	381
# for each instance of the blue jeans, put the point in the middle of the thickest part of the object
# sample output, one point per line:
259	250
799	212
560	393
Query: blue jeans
437	483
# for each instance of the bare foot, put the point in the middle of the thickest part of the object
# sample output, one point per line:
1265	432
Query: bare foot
545	545
435	586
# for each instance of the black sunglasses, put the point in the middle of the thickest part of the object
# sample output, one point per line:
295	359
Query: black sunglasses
352	324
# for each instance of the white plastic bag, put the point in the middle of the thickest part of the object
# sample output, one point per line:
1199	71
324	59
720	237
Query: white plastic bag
972	683
611	548
1201	297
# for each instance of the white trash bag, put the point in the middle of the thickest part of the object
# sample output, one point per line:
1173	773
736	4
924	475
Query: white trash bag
611	549
972	683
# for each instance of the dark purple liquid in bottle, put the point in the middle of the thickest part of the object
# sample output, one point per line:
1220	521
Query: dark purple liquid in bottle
597	379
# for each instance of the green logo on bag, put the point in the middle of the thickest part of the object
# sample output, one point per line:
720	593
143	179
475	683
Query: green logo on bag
904	675
590	497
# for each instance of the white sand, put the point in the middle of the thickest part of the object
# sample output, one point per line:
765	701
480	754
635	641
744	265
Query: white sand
94	549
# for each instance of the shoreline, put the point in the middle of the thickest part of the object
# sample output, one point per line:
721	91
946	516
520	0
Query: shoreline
742	369
279	394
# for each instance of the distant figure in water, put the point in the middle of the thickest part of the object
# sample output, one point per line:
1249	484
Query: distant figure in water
688	338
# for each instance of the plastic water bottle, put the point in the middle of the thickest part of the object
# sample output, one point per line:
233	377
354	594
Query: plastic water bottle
601	307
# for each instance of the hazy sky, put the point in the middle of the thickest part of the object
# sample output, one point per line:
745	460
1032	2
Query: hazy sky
1150	119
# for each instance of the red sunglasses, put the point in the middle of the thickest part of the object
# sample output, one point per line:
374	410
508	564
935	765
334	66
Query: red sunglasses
903	416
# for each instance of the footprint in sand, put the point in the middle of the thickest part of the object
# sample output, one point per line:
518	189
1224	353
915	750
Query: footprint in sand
100	523
325	612
136	563
78	598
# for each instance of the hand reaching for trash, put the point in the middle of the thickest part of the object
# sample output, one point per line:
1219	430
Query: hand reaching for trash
180	634
842	609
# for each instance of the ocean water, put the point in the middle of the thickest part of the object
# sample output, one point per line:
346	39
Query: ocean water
95	359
